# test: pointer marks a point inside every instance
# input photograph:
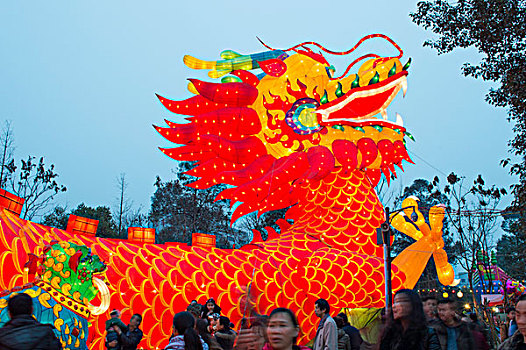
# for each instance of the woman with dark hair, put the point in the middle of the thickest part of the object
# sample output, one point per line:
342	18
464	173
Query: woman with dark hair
209	308
406	327
184	336
282	331
202	328
224	335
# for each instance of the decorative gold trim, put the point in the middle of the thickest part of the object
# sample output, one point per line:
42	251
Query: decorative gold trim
64	300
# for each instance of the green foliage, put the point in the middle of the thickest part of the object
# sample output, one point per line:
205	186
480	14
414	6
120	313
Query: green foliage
35	183
497	30
511	248
106	228
58	218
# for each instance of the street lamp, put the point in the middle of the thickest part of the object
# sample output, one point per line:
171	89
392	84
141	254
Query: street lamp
383	236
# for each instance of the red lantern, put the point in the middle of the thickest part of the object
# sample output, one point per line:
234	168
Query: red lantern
141	234
203	240
10	202
78	224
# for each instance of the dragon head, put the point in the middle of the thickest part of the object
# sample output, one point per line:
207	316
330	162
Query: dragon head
295	122
73	271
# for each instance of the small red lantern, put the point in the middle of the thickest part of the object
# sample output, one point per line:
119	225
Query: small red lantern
78	224
10	202
141	234
203	240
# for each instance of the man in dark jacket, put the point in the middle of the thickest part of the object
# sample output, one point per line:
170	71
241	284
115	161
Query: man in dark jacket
23	332
130	340
452	333
352	332
517	340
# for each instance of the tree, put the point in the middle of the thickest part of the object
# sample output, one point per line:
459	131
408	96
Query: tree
106	227
511	247
124	204
7	150
177	211
58	218
473	214
429	195
35	183
497	30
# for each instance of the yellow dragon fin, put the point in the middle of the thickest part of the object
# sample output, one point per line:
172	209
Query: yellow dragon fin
196	63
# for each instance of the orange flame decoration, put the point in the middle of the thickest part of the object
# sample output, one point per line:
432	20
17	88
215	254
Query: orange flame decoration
295	138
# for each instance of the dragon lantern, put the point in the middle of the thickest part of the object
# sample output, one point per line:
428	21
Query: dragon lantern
294	136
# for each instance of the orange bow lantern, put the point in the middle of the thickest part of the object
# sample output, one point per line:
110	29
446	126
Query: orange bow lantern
429	242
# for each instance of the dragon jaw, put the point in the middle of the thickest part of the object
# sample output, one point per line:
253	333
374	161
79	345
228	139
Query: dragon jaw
358	106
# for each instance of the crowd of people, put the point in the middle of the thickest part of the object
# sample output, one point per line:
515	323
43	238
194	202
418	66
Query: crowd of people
411	323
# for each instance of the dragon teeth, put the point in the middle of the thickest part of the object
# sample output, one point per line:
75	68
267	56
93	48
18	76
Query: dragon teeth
404	85
399	120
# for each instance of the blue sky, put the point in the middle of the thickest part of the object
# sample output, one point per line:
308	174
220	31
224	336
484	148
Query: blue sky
78	80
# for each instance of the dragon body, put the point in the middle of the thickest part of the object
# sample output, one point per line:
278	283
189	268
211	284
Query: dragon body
293	137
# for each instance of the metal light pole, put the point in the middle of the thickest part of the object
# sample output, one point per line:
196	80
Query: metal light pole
384	237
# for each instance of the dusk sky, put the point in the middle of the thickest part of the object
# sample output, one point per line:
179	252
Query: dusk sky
78	81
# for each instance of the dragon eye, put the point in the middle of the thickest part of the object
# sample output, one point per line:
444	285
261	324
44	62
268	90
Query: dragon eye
302	117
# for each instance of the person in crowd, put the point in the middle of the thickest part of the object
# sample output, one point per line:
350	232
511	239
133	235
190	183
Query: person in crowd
224	335
476	325
202	328
112	339
195	309
253	337
430	303
406	326
510	327
282	331
326	334
452	333
213	321
352	332
518	340
22	331
184	335
130	339
344	342
209	308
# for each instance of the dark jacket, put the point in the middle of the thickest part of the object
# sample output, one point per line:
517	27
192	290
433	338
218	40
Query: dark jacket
23	332
354	336
344	343
396	340
111	336
225	338
130	340
464	336
515	342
